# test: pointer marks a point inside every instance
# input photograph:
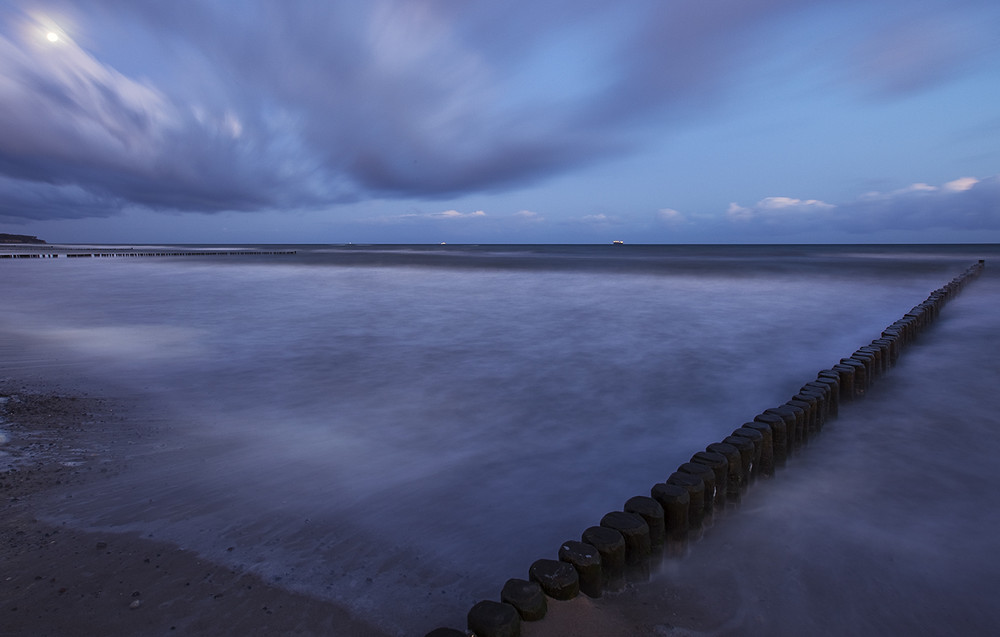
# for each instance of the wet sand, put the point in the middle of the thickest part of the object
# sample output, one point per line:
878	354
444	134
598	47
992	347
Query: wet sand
59	580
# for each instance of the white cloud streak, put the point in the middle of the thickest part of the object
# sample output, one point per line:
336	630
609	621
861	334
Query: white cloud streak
966	203
778	210
670	216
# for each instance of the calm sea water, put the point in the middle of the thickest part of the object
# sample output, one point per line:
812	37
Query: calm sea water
403	428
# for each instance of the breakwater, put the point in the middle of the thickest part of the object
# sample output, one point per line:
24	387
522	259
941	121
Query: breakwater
626	545
130	253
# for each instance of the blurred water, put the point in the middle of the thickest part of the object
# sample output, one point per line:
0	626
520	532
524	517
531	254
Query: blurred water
419	424
886	525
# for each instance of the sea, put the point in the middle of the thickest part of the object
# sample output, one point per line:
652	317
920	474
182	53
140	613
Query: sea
402	428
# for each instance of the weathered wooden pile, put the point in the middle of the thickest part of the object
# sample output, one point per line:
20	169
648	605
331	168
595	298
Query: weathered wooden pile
626	544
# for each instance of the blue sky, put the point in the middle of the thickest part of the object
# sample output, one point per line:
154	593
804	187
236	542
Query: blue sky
421	121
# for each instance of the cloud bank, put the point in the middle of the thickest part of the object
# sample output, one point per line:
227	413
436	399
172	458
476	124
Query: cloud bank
266	104
966	203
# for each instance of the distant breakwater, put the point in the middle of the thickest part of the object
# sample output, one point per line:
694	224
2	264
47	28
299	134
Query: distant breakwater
130	253
627	544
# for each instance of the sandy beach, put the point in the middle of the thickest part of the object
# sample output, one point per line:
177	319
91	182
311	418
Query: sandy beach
59	580
882	525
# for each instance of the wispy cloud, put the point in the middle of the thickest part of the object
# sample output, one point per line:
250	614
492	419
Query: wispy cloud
442	215
454	214
529	215
670	216
961	184
966	203
292	104
600	219
778	210
903	52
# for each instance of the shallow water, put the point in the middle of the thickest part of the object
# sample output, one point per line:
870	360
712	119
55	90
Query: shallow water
402	428
886	524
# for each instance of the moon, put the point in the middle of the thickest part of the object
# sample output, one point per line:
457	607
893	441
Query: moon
52	36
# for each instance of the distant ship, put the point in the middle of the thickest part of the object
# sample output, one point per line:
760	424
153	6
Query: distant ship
617	242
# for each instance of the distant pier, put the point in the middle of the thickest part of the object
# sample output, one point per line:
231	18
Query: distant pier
134	253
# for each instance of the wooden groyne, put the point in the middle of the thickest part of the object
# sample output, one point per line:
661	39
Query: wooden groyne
625	545
131	253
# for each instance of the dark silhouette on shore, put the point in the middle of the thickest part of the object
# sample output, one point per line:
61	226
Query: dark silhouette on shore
19	238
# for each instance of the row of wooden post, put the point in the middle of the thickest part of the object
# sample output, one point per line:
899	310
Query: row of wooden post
626	544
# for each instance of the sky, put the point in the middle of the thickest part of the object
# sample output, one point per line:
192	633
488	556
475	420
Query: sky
467	121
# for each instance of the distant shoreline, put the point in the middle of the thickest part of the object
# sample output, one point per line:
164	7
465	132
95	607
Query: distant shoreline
20	238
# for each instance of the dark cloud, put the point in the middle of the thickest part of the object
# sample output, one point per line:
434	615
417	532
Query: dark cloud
260	104
69	120
22	200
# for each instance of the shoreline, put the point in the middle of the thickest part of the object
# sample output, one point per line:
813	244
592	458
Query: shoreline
61	580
